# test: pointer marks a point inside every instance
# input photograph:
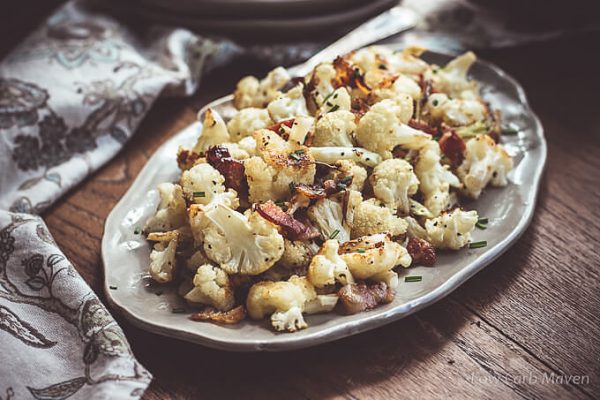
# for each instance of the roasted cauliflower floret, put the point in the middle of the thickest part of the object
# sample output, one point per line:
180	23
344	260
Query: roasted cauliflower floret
321	78
162	260
335	129
371	218
435	179
383	128
250	92
283	301
327	267
394	182
247	121
327	216
454	112
214	131
281	165
330	155
371	257
339	99
288	105
451	230
202	183
171	212
350	168
485	162
241	244
212	288
296	255
452	79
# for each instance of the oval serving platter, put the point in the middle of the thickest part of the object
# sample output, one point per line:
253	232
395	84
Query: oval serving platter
126	254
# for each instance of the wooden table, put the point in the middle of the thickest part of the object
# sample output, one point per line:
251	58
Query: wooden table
528	326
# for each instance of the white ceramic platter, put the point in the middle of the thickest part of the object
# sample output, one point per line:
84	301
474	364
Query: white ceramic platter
509	210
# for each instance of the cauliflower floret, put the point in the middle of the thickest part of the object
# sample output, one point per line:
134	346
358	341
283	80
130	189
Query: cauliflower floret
322	77
454	112
288	105
402	87
485	162
195	260
330	155
171	212
270	177
246	121
241	244
435	179
453	80
350	168
162	260
327	216
371	218
327	267
313	303
236	151
212	287
352	199
335	129
248	144
284	301
451	230
296	255
408	62
252	93
196	213
300	129
371	257
393	183
214	131
339	99
415	229
383	127
202	183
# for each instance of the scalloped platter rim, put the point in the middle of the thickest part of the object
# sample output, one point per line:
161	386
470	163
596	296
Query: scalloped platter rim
125	253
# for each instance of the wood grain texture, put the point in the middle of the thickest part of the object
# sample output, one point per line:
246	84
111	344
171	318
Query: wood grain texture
532	314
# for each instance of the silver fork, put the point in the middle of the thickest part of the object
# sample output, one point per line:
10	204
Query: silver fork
386	24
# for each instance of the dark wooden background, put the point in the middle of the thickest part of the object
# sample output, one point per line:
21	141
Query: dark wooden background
531	315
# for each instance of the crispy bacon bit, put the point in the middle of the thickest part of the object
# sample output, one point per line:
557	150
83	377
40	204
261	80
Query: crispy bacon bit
292	228
292	83
277	128
453	147
425	127
359	297
186	159
421	251
231	169
347	75
359	107
211	314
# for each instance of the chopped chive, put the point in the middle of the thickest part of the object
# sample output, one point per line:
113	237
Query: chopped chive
334	108
137	231
178	310
510	131
328	96
382	66
480	225
299	151
483	220
477	245
292	187
199	194
280	203
112	287
334	234
295	156
360	250
413	278
340	186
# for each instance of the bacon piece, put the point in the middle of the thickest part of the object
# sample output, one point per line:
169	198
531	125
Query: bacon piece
292	228
231	169
453	147
211	314
421	251
359	297
277	127
186	159
424	126
359	107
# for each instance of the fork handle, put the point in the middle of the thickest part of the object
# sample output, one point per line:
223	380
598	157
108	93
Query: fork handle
386	24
